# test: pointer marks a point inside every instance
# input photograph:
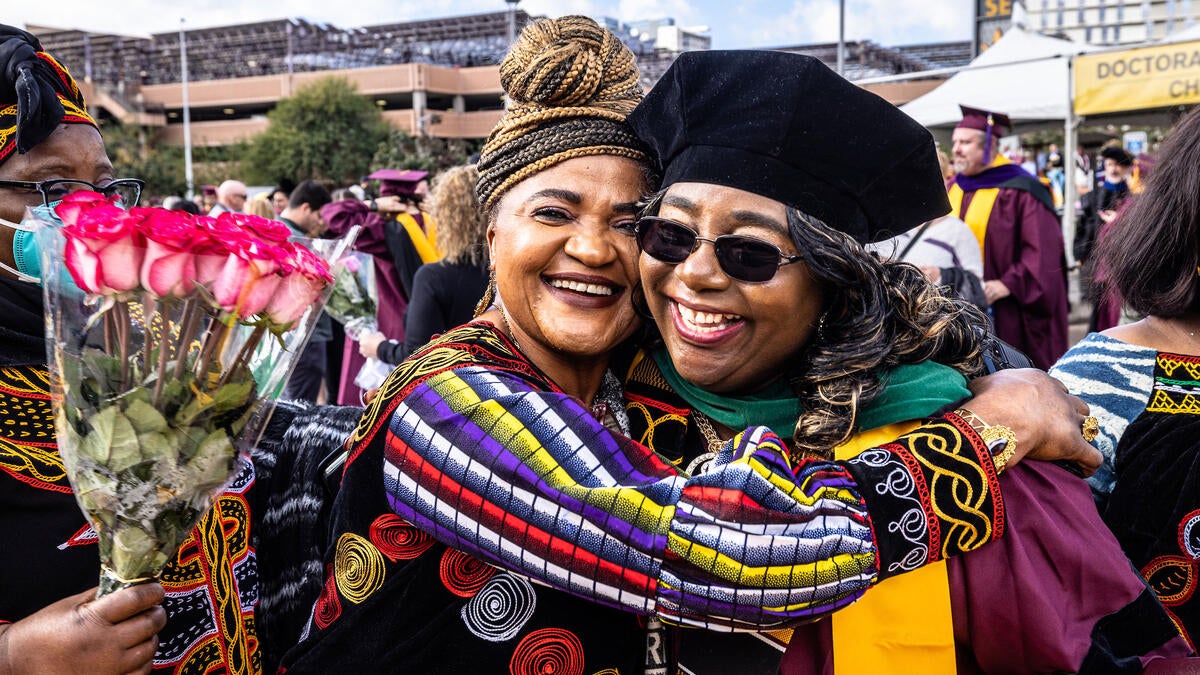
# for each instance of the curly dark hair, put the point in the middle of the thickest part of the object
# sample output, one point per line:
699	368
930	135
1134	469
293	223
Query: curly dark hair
878	315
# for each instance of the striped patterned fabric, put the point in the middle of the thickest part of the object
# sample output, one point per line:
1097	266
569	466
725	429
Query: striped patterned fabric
1116	379
525	478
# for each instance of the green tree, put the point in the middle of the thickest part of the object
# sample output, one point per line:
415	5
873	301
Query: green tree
326	131
401	150
137	152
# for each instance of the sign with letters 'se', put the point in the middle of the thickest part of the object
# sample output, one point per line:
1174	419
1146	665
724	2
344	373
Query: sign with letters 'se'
1138	79
992	18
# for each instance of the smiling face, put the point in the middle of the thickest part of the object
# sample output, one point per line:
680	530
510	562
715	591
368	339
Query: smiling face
566	259
724	335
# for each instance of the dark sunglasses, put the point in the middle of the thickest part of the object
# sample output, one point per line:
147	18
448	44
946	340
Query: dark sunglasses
741	257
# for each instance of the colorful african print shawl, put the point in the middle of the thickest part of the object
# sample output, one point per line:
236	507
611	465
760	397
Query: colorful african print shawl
469	446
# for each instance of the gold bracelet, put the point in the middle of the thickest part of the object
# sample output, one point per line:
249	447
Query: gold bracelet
1000	440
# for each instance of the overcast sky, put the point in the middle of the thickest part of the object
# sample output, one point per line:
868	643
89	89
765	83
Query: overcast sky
733	23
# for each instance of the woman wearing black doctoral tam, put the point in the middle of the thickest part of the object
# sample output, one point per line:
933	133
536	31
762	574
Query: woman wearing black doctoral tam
775	172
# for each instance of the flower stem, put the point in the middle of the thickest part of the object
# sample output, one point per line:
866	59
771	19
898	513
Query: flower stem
244	354
191	316
110	332
213	343
121	308
161	372
149	307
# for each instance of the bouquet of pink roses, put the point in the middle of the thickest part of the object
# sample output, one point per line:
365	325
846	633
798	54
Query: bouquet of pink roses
154	321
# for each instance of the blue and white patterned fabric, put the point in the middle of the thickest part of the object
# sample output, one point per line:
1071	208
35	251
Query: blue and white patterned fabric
1114	378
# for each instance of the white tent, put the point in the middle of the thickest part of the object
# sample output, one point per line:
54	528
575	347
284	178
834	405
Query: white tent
1024	74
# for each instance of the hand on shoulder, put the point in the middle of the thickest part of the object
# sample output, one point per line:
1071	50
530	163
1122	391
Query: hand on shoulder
1047	421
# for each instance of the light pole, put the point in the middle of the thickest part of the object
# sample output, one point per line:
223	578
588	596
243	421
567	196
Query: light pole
512	20
841	55
187	114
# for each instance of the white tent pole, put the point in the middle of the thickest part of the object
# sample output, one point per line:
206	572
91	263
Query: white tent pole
1070	141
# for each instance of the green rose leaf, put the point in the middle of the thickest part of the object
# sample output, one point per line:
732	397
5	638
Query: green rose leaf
132	552
144	417
213	462
97	444
232	396
158	445
97	494
124	451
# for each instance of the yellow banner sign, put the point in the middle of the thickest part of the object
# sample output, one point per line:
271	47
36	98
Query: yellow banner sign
1138	79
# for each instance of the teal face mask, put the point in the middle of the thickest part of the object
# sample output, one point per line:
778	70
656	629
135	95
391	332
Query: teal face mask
25	247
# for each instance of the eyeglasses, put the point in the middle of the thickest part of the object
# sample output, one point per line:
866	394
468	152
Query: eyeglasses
743	258
127	190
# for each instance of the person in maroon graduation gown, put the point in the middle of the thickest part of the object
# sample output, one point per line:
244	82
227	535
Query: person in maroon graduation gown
1012	215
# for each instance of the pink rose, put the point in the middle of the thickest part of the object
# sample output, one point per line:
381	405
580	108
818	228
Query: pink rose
104	249
218	239
307	276
248	279
169	266
270	231
77	202
295	294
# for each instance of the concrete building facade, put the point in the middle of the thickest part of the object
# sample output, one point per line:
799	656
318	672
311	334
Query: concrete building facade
1112	22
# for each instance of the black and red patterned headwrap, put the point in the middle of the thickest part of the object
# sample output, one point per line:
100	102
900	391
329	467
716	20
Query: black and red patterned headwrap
36	93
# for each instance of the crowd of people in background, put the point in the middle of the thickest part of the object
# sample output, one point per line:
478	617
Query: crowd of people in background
638	405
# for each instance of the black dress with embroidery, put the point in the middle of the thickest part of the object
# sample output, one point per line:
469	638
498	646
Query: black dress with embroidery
49	550
1154	508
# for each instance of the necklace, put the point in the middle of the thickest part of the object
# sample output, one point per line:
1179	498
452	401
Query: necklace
714	441
508	328
1177	327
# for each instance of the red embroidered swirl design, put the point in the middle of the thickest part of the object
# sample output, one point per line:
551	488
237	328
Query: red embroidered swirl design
398	540
548	651
328	607
1172	577
463	575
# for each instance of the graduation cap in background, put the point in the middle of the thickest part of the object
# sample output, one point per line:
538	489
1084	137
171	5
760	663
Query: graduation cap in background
992	124
397	182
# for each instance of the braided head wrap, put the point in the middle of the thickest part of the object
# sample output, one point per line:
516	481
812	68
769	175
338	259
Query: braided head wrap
570	85
36	93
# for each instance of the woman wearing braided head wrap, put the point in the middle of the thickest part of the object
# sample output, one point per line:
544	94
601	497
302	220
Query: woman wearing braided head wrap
496	454
50	146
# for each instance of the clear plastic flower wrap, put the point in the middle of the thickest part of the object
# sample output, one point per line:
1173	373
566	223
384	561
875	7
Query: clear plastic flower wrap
168	336
354	302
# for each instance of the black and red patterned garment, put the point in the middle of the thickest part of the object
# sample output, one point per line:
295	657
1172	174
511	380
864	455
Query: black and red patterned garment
1148	404
50	552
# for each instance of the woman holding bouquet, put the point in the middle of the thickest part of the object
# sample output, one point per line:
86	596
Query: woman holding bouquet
523	396
49	147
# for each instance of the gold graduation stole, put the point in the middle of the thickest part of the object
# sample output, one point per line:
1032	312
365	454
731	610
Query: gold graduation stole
425	241
904	624
980	210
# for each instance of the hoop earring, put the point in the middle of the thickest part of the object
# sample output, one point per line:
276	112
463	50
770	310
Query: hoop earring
489	294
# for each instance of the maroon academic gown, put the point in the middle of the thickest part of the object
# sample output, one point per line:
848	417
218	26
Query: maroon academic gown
1054	594
1024	249
341	216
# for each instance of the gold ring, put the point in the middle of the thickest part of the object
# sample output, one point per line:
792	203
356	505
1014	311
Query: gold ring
1091	428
